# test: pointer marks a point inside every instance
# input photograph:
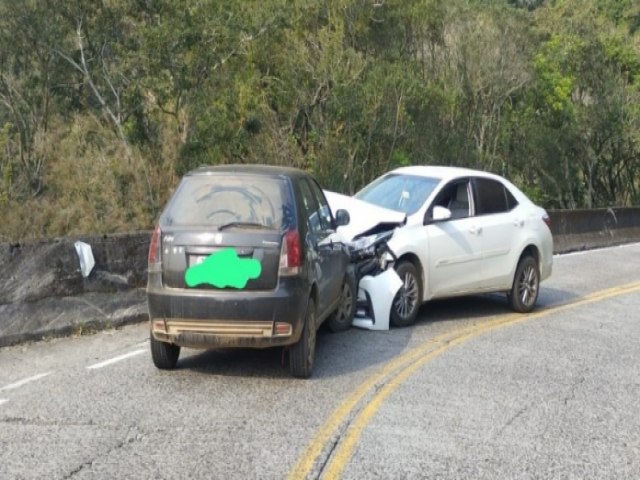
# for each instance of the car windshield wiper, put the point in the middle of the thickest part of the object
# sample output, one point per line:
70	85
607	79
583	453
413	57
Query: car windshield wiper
244	225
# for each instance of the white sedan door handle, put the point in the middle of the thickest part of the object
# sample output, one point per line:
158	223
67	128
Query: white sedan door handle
518	222
474	230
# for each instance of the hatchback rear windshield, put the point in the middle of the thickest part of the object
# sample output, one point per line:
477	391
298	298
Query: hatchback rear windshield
224	199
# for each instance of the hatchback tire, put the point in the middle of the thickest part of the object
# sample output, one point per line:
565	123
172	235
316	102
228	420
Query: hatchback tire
407	301
526	286
165	355
342	318
302	354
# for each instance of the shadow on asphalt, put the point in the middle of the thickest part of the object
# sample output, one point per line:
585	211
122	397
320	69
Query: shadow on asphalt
336	354
487	305
552	297
341	353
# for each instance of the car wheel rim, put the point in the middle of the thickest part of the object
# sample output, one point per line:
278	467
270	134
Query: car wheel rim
346	301
528	286
407	297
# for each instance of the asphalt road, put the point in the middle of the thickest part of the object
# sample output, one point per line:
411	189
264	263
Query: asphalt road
470	391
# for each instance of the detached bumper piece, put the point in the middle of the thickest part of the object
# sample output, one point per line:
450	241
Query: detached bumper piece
377	293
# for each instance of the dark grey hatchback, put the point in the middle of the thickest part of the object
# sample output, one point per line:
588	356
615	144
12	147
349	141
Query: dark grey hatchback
243	257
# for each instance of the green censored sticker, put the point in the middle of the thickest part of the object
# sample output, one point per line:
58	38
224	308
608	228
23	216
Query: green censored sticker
223	269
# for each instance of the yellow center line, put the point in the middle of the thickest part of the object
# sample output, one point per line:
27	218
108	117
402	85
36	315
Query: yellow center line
404	366
343	454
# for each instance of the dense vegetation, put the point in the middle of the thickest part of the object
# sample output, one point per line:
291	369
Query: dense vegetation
104	104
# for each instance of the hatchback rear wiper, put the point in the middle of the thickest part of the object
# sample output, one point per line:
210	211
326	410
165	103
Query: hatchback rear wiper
244	225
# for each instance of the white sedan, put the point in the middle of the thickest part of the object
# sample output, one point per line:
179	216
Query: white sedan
466	232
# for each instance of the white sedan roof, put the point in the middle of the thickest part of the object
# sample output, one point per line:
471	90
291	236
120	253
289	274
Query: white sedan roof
450	173
442	172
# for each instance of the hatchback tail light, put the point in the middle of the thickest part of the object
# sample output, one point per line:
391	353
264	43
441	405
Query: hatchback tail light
290	254
547	219
154	246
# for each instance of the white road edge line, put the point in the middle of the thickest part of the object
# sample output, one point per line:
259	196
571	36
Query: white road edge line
3	400
24	381
116	359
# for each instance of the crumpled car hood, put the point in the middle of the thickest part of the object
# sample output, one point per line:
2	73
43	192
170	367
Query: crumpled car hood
365	217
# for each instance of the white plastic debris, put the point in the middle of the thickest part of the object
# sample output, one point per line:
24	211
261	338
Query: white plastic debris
381	290
86	258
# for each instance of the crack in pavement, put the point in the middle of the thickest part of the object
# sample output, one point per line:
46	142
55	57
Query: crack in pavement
41	422
333	446
323	460
512	419
574	386
569	396
129	439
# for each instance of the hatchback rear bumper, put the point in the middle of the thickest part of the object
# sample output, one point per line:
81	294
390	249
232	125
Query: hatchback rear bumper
210	319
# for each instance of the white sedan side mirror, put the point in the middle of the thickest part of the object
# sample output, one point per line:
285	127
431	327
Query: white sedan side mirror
440	214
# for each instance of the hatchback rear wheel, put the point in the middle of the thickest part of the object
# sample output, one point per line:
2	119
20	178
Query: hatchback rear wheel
302	354
409	298
165	355
526	285
342	318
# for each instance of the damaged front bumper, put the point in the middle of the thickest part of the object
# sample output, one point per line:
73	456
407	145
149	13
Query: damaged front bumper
377	287
375	300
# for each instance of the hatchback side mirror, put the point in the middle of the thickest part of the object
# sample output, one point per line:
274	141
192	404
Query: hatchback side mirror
439	214
342	217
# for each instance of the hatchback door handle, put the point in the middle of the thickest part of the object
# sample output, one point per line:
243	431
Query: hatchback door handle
518	222
474	230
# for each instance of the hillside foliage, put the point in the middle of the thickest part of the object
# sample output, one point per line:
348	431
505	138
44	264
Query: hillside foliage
105	104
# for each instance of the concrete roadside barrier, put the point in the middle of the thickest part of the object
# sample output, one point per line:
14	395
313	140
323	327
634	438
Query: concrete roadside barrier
43	293
586	229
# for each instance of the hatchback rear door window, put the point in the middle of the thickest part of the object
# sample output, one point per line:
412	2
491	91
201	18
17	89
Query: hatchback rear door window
229	201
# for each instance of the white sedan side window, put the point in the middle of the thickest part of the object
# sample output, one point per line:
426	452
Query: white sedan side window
455	197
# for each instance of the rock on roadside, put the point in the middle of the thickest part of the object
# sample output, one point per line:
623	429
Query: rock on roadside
43	293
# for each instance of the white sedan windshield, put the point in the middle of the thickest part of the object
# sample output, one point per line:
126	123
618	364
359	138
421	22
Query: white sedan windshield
402	193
